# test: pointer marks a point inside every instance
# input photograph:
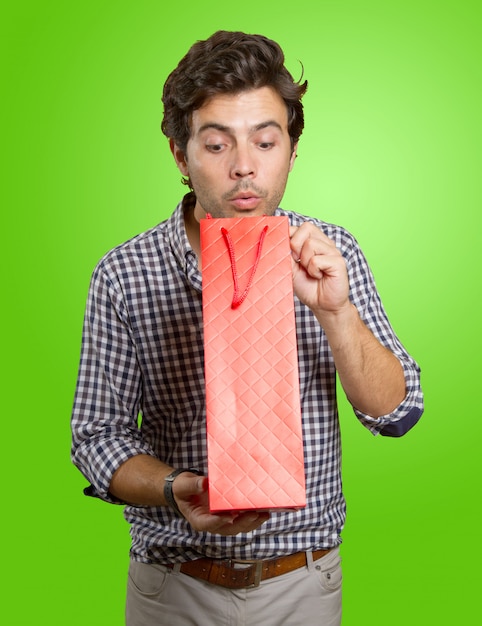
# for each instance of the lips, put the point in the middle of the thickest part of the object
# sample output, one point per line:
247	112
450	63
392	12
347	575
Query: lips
245	201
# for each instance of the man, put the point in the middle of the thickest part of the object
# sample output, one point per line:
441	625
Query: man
233	116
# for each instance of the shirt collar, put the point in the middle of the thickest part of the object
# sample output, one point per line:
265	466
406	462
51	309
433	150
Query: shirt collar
180	246
179	242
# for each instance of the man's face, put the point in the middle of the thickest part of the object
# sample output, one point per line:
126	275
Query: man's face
239	154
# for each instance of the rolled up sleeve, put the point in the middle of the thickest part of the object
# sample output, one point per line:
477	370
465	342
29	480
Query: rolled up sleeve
104	420
364	295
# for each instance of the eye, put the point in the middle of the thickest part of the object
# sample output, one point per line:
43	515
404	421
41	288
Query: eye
215	147
265	145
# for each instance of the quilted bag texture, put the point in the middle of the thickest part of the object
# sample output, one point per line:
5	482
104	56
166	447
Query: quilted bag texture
254	437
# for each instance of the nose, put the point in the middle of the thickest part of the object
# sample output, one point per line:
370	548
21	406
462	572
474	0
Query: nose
243	164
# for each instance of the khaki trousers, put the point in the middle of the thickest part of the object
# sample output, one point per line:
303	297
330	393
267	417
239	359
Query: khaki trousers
309	596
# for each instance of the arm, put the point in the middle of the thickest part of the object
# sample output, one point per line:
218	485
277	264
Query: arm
140	481
107	445
371	375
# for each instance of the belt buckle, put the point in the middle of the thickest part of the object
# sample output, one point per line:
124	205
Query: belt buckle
258	570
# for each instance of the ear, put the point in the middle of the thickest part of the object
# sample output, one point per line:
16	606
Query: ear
179	157
293	156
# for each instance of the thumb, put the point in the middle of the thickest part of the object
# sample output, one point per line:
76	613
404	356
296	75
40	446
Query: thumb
202	484
187	486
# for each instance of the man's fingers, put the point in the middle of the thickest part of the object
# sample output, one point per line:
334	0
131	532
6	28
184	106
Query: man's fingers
308	241
244	523
192	497
228	524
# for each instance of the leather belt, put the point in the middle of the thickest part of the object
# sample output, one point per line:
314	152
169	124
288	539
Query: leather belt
238	574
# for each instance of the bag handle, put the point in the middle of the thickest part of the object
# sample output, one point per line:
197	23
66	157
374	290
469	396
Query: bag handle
239	298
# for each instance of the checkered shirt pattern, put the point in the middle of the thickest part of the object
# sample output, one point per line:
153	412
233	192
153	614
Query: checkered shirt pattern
142	356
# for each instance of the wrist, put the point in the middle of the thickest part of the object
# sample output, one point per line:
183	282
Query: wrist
168	487
339	319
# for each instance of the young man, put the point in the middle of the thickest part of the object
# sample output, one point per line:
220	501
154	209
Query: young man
233	116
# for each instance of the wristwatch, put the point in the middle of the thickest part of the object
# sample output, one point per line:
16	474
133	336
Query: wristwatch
168	481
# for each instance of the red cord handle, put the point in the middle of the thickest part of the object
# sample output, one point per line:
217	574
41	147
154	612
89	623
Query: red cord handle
239	298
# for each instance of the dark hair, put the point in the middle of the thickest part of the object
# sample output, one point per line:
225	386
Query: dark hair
228	62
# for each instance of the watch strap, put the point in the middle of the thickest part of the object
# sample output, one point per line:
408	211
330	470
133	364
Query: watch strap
168	482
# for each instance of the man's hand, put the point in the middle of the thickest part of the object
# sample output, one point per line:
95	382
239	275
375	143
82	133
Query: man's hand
320	278
140	481
191	495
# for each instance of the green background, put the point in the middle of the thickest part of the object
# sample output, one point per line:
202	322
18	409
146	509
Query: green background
391	151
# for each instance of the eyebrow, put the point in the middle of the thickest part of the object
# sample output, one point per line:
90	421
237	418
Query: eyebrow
229	130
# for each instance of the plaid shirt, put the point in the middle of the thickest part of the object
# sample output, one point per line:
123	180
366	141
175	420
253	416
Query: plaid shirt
142	354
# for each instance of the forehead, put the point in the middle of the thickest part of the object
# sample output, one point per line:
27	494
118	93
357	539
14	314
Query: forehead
244	110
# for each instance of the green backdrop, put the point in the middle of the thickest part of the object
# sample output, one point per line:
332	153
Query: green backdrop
391	150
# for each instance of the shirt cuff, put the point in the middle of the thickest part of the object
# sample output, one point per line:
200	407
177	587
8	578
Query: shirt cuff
402	419
98	461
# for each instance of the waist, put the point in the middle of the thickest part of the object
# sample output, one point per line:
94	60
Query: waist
241	574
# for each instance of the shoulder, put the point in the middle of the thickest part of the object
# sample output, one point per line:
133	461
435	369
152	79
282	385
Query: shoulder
147	250
135	246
